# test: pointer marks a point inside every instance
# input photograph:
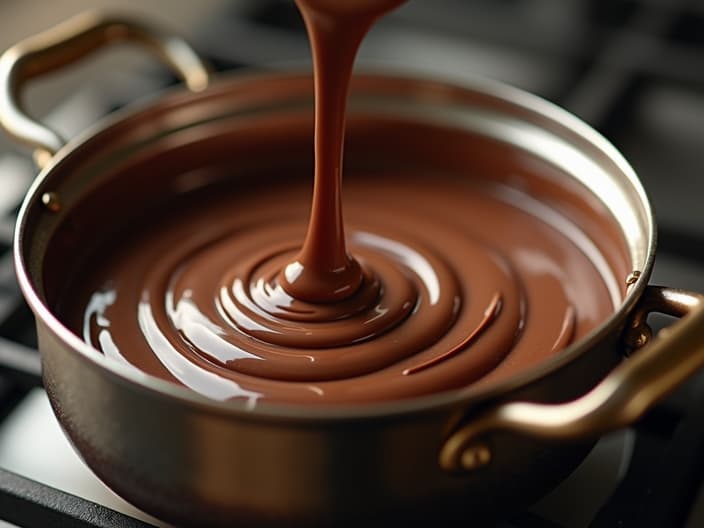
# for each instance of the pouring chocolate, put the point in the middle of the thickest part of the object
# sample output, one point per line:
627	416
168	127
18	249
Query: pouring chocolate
436	293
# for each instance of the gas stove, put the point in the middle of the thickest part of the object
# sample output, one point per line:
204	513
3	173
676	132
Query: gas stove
633	69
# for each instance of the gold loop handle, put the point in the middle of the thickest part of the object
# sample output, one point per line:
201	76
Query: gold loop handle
69	42
617	401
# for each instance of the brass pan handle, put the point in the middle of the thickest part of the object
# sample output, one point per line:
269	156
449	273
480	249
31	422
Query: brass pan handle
617	401
69	42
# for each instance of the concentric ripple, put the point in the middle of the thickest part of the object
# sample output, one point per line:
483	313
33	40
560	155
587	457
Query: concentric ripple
445	300
242	320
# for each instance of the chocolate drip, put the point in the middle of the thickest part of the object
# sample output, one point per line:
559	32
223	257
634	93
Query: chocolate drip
323	271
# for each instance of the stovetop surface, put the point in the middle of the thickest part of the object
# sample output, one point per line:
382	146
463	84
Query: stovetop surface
633	69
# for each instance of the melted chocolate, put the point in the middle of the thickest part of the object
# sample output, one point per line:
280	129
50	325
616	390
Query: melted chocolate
438	283
323	271
489	273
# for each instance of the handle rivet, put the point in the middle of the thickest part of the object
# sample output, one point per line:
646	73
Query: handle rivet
632	278
51	201
475	457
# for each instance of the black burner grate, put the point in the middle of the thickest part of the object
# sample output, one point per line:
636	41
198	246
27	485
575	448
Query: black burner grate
33	505
634	69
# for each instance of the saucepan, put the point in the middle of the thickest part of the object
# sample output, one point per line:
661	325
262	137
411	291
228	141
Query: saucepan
464	453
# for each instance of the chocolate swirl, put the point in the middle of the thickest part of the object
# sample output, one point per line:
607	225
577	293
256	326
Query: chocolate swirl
461	282
419	297
242	319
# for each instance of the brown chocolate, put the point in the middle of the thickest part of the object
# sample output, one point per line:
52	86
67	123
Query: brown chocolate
323	271
163	295
441	281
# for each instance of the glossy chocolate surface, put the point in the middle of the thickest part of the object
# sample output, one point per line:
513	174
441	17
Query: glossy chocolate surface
442	279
